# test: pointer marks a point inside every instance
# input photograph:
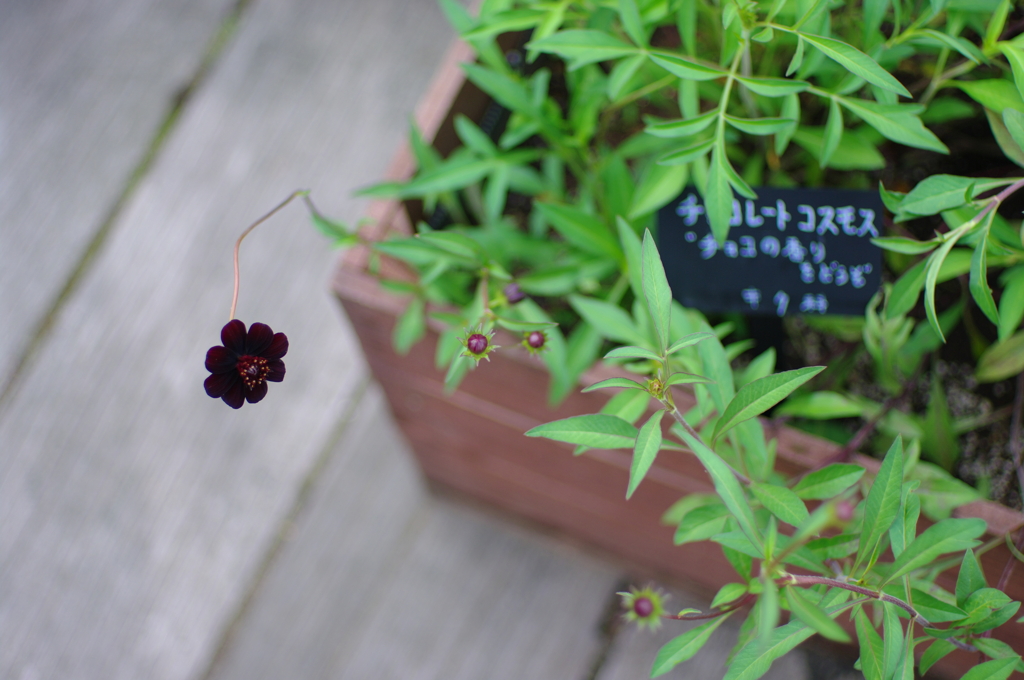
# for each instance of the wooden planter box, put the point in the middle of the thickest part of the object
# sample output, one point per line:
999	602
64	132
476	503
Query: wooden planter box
472	441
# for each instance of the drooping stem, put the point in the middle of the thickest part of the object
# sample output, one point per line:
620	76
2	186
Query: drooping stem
671	408
743	601
238	243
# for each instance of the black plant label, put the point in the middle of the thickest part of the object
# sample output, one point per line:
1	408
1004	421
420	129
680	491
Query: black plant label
789	251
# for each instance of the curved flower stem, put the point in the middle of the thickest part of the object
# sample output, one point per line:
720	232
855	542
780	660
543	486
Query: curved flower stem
672	409
804	581
238	243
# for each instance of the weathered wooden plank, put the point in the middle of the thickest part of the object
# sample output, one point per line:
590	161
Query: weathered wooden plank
134	510
634	651
84	86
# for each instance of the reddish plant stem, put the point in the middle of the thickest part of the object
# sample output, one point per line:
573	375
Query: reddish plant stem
805	581
238	243
743	601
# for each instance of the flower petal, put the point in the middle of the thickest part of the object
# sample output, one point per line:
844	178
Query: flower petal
233	336
259	339
235	396
219	383
276	373
256	393
278	348
220	360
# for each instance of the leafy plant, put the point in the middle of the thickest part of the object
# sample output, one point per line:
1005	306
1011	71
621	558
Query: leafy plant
822	553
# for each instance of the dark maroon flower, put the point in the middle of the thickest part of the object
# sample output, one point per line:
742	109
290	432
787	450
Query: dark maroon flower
643	607
514	294
535	339
477	343
244	364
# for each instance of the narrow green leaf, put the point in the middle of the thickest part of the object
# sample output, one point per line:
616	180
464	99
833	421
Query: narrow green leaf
970	579
1014	122
781	502
759	126
907	246
632	22
718	197
596	431
833	132
906	291
683	647
701	524
611	321
686	127
687	67
882	503
892	642
658	185
872	659
582	46
630	352
754	659
648	443
979	280
614	382
687	154
774	87
934	609
656	290
828	482
798	57
1011	304
768	610
937	193
936	651
728	488
949	535
896	122
689	340
856	62
729	593
1002	360
587	232
997	669
687	379
814	616
931	276
410	327
825	405
757	397
524	326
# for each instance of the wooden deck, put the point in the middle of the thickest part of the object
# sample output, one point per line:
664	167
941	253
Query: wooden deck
147	531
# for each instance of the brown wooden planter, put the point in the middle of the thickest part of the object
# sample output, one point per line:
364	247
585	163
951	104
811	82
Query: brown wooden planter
472	441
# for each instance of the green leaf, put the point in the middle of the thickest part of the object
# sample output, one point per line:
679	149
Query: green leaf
1015	56
949	535
906	291
1014	122
907	246
895	122
961	45
759	126
614	382
937	193
687	67
822	405
997	669
970	579
658	185
936	651
718	197
686	127
814	616
648	443
995	94
781	502
587	232
596	431
854	151
833	133
934	609
632	22
768	610
774	87
611	321
872	659
1002	360
754	659
701	524
798	57
755	398
996	649
931	276
728	593
686	379
656	290
683	647
630	352
856	62
727	487
524	326
582	46
410	327
687	154
892	643
882	503
1011	304
689	340
828	482
979	288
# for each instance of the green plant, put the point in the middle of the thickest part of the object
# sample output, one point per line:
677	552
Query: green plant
831	562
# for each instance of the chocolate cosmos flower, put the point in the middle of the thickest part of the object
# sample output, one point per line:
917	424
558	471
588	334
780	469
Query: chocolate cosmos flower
242	367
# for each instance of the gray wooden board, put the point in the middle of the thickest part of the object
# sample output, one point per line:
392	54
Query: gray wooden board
84	85
635	650
134	510
415	588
